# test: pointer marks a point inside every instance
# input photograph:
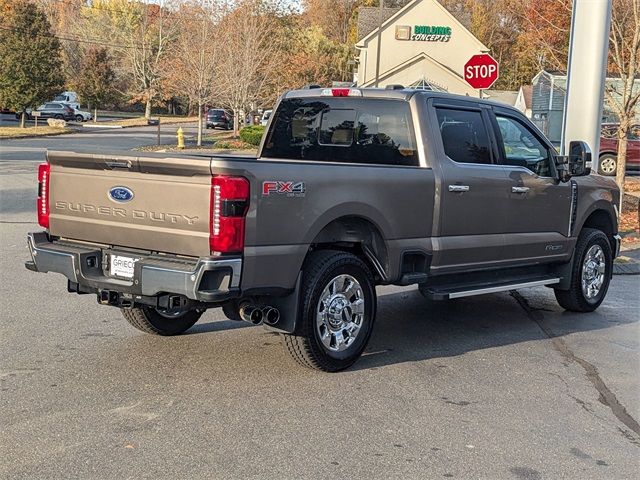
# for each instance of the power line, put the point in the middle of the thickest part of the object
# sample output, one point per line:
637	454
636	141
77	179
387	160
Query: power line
69	39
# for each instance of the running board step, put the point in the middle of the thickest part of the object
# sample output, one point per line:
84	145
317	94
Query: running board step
446	292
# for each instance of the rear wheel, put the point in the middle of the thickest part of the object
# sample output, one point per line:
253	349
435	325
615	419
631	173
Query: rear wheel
590	273
608	165
337	312
160	322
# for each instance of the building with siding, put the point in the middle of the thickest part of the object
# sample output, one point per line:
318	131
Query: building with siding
422	46
548	94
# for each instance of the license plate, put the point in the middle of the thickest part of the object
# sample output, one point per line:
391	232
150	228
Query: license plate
122	266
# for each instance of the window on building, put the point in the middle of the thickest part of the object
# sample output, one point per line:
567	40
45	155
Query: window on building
343	130
464	135
522	148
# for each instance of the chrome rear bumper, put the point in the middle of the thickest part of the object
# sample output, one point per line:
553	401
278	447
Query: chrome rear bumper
206	279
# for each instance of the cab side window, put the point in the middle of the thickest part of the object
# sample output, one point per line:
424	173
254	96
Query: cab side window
522	148
464	135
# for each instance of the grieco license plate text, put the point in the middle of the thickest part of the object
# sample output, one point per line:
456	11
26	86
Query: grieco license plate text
122	266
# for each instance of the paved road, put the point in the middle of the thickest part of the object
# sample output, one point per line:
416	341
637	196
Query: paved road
90	140
503	386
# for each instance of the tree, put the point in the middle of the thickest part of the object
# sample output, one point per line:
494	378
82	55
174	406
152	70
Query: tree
624	61
251	55
30	65
96	82
331	16
193	68
313	58
65	18
544	40
140	36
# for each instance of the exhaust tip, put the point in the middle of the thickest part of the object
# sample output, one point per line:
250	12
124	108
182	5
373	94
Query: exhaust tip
271	315
251	314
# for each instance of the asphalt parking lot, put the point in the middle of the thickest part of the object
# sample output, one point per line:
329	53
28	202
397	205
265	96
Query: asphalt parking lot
498	386
90	140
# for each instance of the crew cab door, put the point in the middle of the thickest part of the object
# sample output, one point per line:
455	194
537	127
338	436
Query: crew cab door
471	204
538	221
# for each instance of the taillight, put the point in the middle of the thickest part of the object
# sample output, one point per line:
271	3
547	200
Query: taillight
42	204
229	203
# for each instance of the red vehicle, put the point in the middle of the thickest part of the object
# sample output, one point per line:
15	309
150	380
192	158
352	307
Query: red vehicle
609	149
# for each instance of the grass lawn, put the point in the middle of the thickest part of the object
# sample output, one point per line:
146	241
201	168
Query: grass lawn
17	132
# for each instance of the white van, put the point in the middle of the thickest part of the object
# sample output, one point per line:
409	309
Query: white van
69	98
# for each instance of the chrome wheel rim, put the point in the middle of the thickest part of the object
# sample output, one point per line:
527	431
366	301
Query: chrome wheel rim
340	313
608	165
593	271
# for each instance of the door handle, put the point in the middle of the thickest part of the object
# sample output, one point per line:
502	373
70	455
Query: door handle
458	188
520	189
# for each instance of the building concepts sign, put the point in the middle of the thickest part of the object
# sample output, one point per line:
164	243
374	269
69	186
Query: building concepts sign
423	33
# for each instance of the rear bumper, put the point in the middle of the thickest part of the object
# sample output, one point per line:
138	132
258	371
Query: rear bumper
217	124
206	279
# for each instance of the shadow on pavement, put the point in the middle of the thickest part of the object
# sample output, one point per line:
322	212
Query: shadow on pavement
410	328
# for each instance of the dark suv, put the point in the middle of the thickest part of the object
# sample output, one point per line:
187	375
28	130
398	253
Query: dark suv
56	110
218	118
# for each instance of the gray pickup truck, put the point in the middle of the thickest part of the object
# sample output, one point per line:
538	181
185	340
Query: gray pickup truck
350	189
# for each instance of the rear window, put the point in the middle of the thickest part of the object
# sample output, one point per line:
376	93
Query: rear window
350	130
216	113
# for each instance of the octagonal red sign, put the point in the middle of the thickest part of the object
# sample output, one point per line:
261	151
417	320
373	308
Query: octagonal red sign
481	71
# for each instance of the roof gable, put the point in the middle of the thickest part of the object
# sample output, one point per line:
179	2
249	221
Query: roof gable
415	3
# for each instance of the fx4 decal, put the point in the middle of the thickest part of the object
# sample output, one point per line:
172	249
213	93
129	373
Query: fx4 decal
288	189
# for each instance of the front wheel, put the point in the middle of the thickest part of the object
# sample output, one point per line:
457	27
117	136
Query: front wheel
160	322
337	311
79	118
590	273
608	165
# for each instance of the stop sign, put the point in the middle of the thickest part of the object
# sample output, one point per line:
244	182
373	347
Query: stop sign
481	71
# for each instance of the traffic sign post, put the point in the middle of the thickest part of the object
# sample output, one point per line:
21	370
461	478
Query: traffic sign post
481	71
35	114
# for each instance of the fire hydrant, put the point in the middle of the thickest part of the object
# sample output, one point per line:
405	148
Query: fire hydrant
180	136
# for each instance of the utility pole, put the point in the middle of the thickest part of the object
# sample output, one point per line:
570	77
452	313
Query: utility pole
588	52
380	17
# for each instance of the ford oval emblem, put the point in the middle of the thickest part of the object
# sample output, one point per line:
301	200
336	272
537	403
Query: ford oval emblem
120	194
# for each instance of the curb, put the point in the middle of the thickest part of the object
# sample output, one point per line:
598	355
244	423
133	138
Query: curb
97	125
626	268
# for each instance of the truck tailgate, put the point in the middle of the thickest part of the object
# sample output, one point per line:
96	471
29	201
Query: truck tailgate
168	208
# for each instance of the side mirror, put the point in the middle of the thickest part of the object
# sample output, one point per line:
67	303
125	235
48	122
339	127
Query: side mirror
579	159
576	164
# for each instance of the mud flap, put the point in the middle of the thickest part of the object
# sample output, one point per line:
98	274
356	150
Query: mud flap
288	306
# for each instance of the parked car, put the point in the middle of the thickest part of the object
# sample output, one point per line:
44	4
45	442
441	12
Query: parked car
82	116
55	110
219	118
265	117
351	188
608	164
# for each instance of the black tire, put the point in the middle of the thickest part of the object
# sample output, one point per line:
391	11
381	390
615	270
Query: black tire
610	165
58	117
79	118
574	299
150	320
319	271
